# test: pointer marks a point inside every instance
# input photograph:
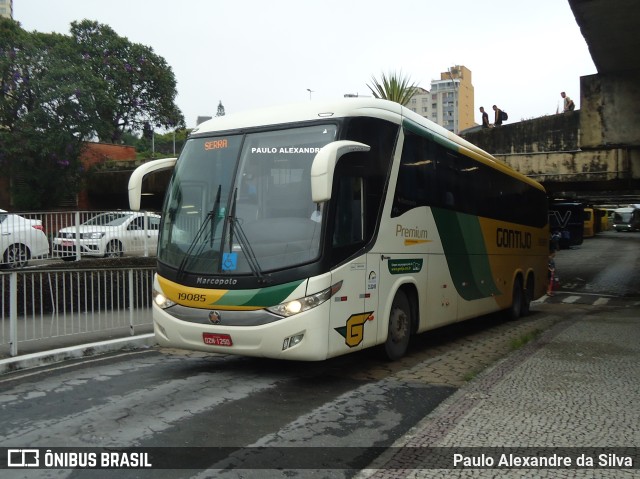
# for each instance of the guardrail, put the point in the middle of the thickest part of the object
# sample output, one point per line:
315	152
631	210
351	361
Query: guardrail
33	238
42	305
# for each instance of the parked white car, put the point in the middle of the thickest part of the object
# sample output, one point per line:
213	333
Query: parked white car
20	240
109	234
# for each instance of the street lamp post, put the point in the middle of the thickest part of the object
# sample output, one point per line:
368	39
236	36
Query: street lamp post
310	92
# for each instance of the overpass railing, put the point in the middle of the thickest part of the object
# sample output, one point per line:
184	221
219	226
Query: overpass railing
46	309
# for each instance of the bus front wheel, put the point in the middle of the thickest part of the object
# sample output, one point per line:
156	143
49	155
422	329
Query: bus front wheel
399	327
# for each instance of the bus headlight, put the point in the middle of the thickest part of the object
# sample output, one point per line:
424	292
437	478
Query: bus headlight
161	300
304	304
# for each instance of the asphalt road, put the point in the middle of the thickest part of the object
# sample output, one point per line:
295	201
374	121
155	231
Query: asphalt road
176	399
607	264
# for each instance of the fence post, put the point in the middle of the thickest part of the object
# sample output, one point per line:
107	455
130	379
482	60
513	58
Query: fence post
146	234
77	221
131	303
13	313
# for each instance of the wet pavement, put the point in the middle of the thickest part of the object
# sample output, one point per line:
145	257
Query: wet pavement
563	381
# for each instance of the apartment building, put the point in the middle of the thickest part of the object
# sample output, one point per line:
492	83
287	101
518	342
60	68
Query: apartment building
450	102
6	8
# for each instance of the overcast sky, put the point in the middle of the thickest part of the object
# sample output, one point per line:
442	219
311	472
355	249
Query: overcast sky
254	53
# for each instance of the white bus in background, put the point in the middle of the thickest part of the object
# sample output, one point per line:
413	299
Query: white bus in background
627	219
315	230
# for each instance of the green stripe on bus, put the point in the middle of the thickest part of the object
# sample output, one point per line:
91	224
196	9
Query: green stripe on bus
466	254
425	133
260	297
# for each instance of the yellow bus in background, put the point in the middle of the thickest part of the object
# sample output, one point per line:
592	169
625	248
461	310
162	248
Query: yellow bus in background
589	223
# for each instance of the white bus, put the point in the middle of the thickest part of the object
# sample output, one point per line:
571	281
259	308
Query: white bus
626	219
315	230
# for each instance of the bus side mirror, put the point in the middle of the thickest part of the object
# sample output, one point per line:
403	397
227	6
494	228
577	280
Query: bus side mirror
324	165
135	181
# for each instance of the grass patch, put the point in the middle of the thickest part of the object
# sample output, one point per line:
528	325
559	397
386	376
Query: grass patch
470	375
524	339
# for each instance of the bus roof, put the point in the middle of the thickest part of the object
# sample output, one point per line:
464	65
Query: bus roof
349	107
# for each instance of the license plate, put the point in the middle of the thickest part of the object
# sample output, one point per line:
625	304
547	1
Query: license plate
67	243
216	339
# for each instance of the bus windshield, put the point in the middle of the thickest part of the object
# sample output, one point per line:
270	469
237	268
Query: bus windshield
242	203
624	217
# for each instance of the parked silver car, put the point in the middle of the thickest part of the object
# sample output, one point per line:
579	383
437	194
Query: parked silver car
20	240
109	234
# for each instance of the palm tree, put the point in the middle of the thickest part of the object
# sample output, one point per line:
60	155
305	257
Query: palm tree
394	87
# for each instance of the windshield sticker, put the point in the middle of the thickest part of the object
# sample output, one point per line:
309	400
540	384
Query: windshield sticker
372	281
216	144
286	150
229	261
404	266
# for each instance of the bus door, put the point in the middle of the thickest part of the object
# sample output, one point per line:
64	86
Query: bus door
353	307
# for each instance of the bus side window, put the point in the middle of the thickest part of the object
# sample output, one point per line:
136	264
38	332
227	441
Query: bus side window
417	183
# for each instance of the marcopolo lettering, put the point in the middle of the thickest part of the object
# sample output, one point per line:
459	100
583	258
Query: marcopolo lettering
508	238
216	281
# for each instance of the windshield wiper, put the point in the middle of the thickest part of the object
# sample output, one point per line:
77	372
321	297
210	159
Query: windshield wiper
213	219
236	227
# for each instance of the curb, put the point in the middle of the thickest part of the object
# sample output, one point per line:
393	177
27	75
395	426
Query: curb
34	360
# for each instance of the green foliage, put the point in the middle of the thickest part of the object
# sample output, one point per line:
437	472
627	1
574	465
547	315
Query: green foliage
135	88
59	91
394	87
519	342
43	120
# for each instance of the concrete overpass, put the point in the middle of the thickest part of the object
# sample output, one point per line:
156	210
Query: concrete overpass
592	153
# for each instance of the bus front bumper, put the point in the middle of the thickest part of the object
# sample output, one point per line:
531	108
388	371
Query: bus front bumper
270	340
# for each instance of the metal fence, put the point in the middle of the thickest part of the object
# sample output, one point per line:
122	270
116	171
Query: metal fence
33	238
44	308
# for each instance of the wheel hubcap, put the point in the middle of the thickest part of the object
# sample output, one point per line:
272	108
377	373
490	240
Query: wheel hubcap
398	325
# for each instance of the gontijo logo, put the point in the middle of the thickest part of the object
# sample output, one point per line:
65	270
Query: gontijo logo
353	331
508	238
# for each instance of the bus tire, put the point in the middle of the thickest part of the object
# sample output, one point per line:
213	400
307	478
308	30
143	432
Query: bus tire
527	295
515	310
399	327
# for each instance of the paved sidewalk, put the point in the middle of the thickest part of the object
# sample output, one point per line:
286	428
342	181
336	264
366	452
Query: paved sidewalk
577	386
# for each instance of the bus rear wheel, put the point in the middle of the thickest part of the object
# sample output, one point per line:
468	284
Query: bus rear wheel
515	311
399	327
527	295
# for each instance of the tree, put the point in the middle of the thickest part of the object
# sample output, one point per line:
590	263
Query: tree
394	87
59	91
43	120
220	109
133	86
